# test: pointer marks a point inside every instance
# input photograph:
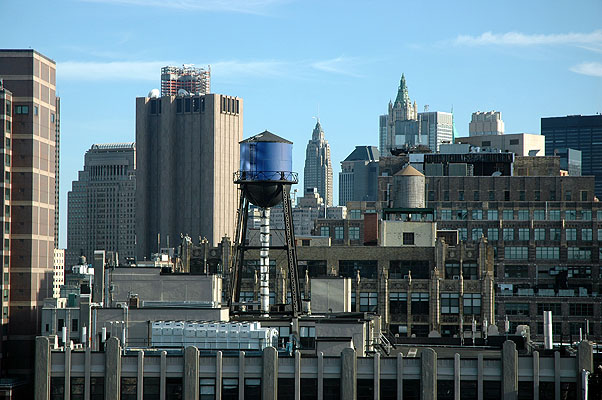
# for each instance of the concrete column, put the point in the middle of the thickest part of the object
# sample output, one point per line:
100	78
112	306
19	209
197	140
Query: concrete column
456	376
297	375
269	375
112	369
428	374
376	374
399	376
87	367
585	361
509	371
163	375
241	378
67	348
535	375
140	377
42	368
321	375
480	377
348	374
557	375
191	373
219	374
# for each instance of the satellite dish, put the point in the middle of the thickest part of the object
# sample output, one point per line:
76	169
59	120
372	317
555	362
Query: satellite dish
153	94
182	92
496	173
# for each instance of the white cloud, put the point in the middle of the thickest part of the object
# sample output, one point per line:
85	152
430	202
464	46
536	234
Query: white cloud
241	6
339	65
523	39
588	68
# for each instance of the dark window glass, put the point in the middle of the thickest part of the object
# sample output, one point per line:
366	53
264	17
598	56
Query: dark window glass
286	388
196	104
491	195
506	195
332	389
445	390
365	389
411	389
388	389
173	389
408	238
253	388
153	106
77	388
349	268
468	390
57	388
207	389
129	388
187	105
476	195
179	105
151	388
230	389
492	390
97	388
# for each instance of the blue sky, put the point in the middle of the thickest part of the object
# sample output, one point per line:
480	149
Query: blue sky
291	60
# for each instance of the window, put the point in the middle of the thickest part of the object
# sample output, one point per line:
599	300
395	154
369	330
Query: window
74	325
537	195
354	233
476	195
8	108
452	270
571	234
508	215
339	232
446	215
398	303
492	234
581	309
491	195
506	195
523	215
187	102
129	388
584	195
229	388
472	304
308	337
508	234
568	196
196	104
206	389
516	271
431	195
461	215
570	215
420	303
368	301
523	234
539	215
517	308
586	234
469	270
492	215
552	195
23	110
547	253
477	214
324	231
7	126
461	195
554	215
556	308
554	233
586	215
516	253
476	234
513	142
450	303
408	238
486	143
462	234
367	268
446	195
355	214
178	105
540	234
579	253
521	195
52	118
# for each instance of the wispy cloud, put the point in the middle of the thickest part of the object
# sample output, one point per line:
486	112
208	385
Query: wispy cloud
240	6
228	69
339	65
588	68
524	39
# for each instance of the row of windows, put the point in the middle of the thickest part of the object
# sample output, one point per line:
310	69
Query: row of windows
575	309
339	232
522	195
518	215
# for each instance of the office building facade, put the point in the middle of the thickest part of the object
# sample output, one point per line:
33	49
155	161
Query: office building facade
318	166
30	116
486	123
102	203
358	176
187	152
578	132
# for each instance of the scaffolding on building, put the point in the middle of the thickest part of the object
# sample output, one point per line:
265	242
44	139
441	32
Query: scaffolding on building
189	78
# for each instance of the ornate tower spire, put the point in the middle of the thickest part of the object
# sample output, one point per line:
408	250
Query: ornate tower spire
318	133
402	92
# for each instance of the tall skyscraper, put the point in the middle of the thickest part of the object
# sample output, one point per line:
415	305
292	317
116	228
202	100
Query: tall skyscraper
486	123
399	121
359	175
102	203
578	132
187	152
29	115
318	167
192	80
437	126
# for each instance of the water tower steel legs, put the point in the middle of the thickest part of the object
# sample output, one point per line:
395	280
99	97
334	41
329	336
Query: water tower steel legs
264	261
239	254
291	252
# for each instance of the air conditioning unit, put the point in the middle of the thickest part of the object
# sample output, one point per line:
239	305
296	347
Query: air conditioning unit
456	277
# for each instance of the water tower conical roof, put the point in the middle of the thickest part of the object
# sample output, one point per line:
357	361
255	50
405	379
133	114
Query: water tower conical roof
266	136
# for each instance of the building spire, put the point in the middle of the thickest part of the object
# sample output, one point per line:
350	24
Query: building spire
402	92
318	133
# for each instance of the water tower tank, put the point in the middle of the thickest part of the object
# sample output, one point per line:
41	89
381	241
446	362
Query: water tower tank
409	185
266	163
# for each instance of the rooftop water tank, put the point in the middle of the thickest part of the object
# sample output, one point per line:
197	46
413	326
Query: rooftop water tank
266	163
409	186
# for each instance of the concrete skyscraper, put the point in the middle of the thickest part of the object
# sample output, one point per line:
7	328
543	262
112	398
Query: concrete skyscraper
318	167
29	116
359	175
486	123
187	152
101	203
